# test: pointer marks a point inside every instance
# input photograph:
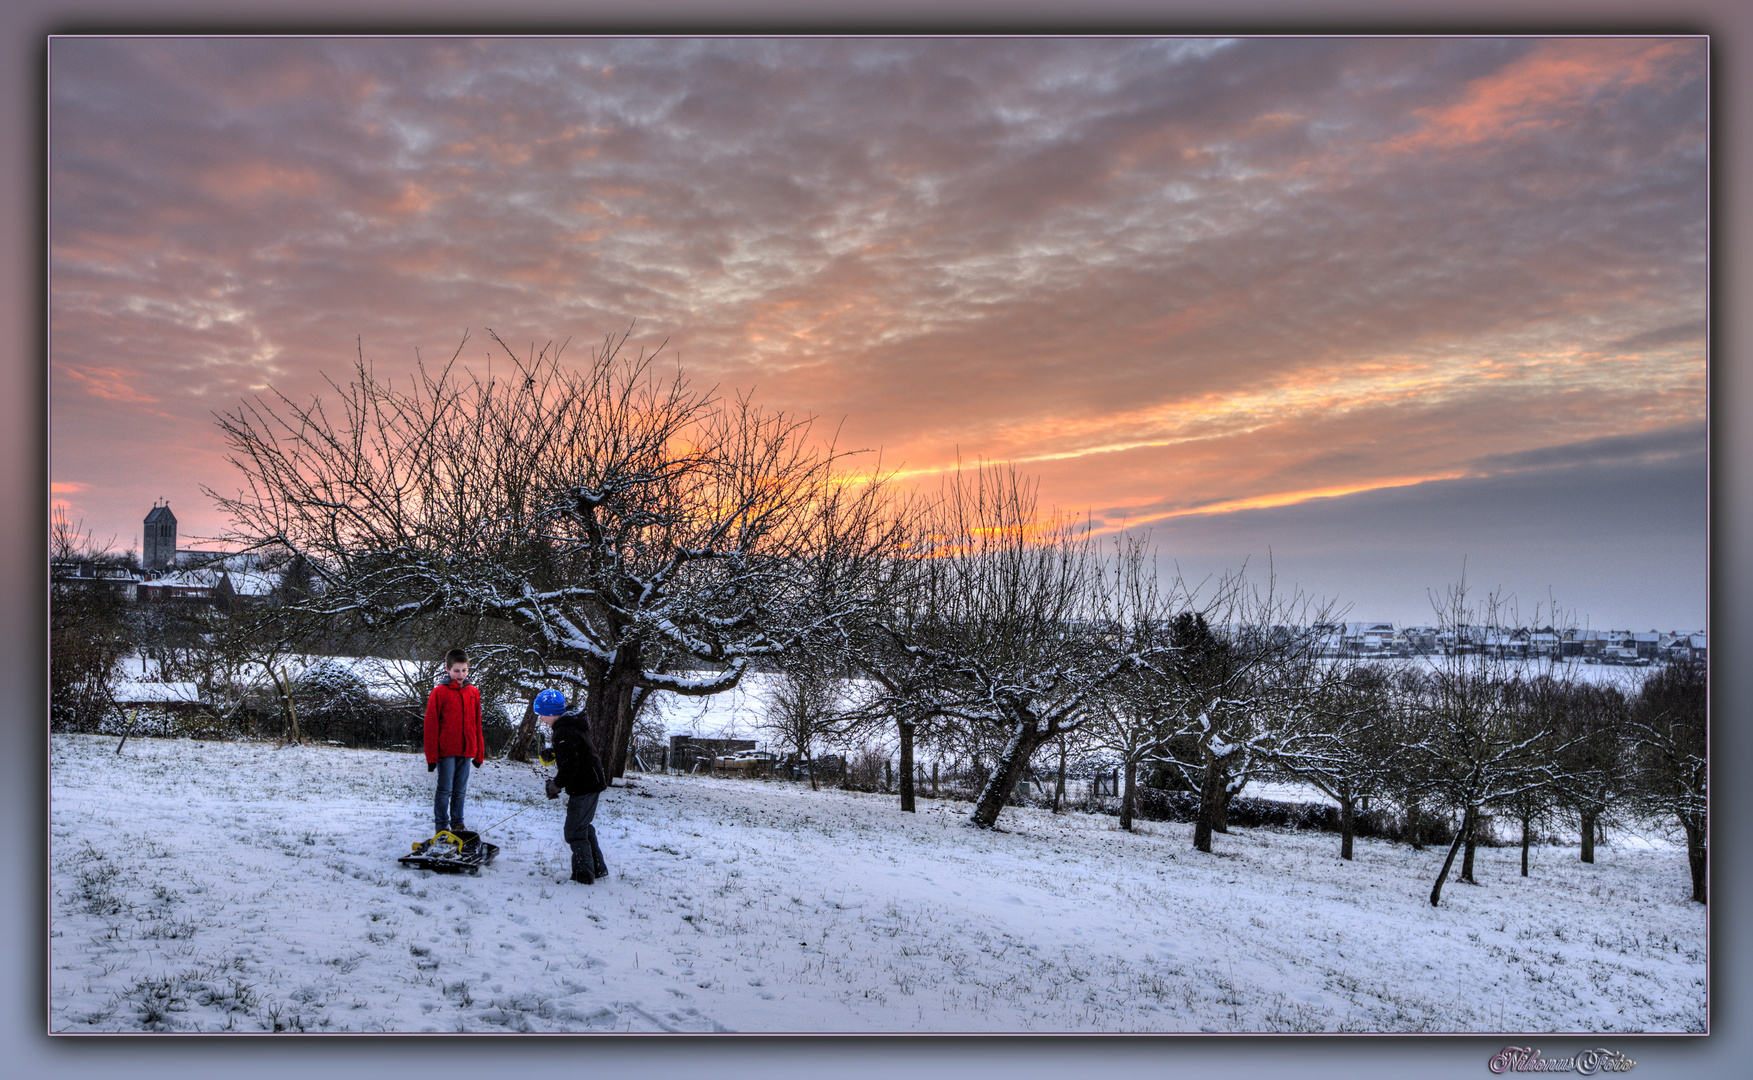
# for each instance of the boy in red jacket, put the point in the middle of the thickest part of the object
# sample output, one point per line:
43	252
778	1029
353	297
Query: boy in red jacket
453	740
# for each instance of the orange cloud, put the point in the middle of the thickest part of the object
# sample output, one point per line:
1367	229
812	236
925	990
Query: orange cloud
257	178
415	198
1288	498
1536	92
110	383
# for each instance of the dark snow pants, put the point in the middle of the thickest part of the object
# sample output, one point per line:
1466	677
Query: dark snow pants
587	856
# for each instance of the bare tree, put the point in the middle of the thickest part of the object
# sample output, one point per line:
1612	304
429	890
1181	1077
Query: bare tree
1541	708
1341	739
993	619
1596	760
612	528
235	657
903	695
1478	749
802	707
1137	712
1234	682
87	629
1670	738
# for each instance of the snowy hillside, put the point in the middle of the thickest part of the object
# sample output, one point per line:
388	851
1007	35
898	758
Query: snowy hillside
233	886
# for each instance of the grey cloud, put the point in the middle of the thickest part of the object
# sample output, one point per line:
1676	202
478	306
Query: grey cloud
1623	545
1685	333
1687	439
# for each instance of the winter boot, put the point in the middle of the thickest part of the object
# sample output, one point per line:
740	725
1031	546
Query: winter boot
581	864
599	867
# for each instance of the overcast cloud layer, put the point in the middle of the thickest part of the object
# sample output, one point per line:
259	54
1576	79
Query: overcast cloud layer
1185	282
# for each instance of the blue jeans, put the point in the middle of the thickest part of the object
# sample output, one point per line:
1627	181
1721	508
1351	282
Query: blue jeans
447	801
581	835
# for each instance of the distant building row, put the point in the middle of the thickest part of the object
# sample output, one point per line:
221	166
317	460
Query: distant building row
1602	646
168	574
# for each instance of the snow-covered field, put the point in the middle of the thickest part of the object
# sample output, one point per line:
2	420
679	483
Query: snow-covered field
235	886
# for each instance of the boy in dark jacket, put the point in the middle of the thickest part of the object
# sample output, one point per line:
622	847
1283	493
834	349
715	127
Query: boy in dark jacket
578	772
453	740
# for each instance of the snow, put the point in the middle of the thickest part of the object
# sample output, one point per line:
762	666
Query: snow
235	886
386	680
140	693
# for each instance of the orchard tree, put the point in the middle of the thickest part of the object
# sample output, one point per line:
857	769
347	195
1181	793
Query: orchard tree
87	628
611	528
1670	738
1595	762
904	694
1541	707
803	704
1233	682
1136	714
1478	747
1341	739
990	622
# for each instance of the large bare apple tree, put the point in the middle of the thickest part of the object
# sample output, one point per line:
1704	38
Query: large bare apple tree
608	526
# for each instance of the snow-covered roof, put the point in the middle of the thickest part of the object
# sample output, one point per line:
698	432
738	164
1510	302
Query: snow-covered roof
195	559
251	582
1353	628
180	579
243	582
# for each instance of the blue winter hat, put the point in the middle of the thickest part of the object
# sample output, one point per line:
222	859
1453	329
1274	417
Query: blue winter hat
550	703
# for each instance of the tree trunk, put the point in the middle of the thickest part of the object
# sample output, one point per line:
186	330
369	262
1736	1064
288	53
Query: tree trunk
622	701
1347	826
907	768
1059	783
1009	767
809	763
1127	798
608	703
293	735
1210	797
1588	817
1220	819
1527	834
1436	891
599	715
1469	823
1696	855
1415	824
519	750
934	779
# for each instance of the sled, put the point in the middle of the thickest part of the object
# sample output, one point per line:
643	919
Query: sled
451	852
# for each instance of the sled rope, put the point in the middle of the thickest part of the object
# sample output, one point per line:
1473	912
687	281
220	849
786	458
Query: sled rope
503	820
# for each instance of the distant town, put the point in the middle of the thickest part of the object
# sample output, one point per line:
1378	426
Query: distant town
167	574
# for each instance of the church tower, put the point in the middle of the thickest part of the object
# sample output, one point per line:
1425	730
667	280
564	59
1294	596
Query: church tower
159	543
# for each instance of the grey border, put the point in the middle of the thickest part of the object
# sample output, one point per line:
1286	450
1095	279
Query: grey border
22	1002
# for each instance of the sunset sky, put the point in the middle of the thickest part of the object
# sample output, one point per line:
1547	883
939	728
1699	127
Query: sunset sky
1380	307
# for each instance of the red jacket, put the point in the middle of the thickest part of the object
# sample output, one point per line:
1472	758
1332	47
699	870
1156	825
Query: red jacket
453	723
